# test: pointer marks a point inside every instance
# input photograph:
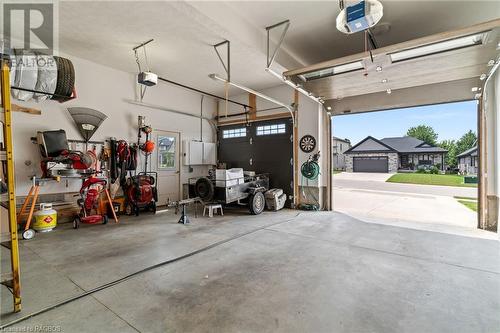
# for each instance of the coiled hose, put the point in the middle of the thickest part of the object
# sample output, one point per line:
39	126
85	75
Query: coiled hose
310	170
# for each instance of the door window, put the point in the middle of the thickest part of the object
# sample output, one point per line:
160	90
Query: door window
271	129
166	152
234	133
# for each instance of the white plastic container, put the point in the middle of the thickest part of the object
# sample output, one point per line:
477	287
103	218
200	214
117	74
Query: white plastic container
228	177
275	199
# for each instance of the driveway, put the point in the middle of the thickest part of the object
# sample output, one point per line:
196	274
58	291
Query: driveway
368	197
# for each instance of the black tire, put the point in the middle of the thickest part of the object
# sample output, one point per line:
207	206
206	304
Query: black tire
65	78
155	194
76	223
153	207
136	209
204	188
256	203
105	219
129	209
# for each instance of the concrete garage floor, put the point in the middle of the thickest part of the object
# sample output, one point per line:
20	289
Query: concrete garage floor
297	272
425	207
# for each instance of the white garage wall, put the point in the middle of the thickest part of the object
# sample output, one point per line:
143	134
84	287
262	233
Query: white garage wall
106	89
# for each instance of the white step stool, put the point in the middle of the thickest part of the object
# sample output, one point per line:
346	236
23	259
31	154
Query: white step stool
211	208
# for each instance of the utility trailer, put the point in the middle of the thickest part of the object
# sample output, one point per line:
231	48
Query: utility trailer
249	189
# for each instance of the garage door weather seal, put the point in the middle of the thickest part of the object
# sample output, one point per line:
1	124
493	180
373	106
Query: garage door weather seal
129	276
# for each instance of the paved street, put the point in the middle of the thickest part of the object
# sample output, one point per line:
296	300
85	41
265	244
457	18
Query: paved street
376	181
369	198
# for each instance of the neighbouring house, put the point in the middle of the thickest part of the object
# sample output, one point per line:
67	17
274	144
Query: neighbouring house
393	154
467	162
339	147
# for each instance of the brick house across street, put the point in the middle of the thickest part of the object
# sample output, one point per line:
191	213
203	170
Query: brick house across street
393	154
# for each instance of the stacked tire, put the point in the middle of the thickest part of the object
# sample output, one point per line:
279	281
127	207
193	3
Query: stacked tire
65	79
49	74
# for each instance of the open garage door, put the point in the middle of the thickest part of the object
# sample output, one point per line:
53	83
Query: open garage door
371	164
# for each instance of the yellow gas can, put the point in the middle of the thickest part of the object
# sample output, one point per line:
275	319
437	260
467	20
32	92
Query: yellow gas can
45	218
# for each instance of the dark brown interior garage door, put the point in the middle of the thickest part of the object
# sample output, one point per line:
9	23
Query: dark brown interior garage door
370	164
263	147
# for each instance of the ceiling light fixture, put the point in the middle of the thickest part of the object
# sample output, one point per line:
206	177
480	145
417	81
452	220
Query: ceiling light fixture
447	45
344	68
328	108
379	69
384	80
482	77
388	91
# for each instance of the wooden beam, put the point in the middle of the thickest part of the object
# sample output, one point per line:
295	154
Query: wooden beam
296	194
281	115
252	101
18	108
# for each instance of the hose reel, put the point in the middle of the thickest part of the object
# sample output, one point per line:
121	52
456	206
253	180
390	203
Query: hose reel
310	168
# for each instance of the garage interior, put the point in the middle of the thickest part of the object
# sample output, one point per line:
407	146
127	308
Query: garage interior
167	167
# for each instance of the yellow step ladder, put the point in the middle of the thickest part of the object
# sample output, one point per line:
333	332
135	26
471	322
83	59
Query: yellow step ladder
11	280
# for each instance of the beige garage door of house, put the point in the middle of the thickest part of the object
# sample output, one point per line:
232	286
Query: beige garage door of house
371	164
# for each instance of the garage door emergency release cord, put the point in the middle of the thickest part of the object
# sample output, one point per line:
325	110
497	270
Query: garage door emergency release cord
149	268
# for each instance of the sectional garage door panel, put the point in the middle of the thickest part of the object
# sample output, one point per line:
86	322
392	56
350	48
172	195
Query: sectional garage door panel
263	147
371	164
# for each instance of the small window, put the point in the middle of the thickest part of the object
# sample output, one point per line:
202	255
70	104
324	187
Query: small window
166	152
271	129
234	133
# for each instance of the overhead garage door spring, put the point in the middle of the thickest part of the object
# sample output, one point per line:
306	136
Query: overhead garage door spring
149	268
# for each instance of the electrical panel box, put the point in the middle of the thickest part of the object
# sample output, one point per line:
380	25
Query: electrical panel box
209	151
199	153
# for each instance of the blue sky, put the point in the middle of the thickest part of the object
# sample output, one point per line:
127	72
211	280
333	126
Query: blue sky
450	121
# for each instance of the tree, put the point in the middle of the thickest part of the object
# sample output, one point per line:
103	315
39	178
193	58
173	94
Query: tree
424	133
451	156
467	141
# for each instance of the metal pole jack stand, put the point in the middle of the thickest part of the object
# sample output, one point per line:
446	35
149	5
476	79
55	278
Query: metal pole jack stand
184	218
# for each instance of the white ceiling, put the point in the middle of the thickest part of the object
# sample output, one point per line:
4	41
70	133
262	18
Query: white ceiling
313	37
184	33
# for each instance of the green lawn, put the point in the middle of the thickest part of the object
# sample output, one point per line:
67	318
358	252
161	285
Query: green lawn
469	204
429	179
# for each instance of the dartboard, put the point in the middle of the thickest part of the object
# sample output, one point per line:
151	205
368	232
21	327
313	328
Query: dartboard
307	143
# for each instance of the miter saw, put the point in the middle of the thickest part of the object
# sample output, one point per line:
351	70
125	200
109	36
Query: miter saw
58	160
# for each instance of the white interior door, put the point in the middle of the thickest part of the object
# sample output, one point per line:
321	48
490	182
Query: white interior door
167	161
